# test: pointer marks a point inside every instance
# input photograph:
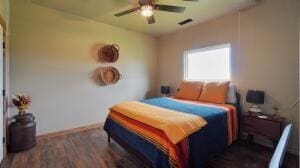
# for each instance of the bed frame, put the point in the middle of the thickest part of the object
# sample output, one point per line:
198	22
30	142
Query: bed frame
130	150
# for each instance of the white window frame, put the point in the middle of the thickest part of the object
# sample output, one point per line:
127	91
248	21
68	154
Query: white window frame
185	60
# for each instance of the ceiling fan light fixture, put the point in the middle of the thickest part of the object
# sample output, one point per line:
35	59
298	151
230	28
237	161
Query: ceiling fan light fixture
147	10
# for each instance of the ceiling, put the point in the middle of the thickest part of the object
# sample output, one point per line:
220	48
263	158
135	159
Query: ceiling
104	10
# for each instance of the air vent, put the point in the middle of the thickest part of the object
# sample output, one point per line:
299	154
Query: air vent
185	21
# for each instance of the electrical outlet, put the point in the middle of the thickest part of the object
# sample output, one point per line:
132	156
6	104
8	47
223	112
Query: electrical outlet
275	108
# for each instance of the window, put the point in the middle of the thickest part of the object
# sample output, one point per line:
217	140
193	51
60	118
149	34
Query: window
207	64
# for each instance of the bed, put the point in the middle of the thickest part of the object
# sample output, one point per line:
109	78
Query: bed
219	132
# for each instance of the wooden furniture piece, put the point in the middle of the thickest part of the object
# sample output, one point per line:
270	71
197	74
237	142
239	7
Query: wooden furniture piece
22	133
269	128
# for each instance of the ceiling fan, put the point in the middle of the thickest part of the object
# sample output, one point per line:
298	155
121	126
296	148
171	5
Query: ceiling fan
147	7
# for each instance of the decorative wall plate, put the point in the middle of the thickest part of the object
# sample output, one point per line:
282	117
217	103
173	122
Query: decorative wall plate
109	75
109	53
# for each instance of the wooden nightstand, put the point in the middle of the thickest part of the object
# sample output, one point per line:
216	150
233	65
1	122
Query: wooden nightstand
269	128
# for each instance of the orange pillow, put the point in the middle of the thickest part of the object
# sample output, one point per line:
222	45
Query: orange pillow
189	90
214	92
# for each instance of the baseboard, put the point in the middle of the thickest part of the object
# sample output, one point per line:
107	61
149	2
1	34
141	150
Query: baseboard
69	131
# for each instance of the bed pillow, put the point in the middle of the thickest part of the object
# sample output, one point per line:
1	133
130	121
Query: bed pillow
214	92
231	95
189	90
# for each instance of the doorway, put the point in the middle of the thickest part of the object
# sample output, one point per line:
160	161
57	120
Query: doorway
1	88
3	99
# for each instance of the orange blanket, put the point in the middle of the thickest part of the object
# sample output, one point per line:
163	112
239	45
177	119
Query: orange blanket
176	125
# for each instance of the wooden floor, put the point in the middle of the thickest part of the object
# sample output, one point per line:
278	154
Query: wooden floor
89	149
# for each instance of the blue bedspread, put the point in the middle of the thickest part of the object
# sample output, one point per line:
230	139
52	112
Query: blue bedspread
203	144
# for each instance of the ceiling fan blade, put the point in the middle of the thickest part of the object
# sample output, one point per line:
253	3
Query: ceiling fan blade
151	19
127	12
169	8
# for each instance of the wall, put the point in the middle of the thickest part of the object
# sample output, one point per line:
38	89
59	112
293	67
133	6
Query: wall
4	9
265	48
52	61
173	45
269	41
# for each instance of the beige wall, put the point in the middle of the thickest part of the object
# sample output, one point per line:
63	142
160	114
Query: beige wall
51	60
265	53
172	46
269	40
4	9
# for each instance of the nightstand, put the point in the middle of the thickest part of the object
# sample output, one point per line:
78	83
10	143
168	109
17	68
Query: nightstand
269	128
22	134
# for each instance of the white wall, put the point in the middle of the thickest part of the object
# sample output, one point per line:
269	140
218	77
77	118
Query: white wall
265	53
51	60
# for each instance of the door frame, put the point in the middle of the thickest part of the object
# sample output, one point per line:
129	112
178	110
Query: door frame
5	86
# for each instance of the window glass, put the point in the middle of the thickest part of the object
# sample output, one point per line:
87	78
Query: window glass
207	64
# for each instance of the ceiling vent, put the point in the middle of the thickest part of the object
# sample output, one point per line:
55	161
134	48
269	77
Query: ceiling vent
185	21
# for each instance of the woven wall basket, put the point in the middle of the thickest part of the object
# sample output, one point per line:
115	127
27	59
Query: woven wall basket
109	53
109	75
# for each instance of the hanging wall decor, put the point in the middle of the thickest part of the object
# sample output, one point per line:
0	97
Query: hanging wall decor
109	75
109	53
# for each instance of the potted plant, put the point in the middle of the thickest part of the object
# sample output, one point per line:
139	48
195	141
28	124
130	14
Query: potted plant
22	102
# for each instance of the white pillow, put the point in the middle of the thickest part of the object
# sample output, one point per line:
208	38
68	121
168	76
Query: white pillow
231	95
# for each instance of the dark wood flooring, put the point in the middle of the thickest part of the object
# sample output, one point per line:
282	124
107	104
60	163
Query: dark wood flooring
90	149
